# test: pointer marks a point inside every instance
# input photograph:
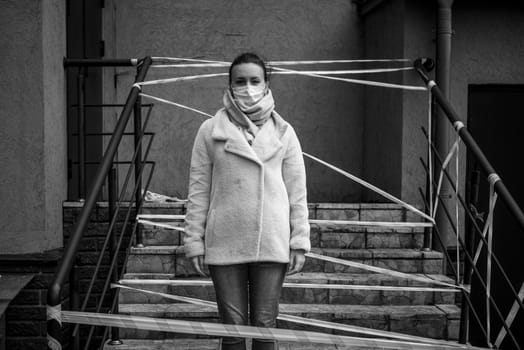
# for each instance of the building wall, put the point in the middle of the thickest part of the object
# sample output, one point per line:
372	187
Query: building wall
32	125
328	116
384	38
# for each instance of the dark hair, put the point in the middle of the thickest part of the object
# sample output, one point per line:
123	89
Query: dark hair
249	57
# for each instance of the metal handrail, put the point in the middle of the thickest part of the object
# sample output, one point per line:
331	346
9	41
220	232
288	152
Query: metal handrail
55	288
113	218
477	229
420	66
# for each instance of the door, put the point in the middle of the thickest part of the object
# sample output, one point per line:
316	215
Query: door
496	121
84	40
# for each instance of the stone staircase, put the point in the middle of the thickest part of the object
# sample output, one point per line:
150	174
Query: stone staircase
428	314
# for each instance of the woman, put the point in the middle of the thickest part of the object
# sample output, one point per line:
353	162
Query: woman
247	215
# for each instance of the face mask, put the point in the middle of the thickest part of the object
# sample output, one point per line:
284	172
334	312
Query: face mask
248	95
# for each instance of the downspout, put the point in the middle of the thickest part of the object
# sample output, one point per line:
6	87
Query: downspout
442	127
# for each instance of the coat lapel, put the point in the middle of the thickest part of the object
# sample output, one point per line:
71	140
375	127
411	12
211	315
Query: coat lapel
235	142
267	142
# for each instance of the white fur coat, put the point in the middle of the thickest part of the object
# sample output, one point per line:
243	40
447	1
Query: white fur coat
246	203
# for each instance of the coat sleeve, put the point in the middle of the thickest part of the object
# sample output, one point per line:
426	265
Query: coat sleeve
294	174
198	196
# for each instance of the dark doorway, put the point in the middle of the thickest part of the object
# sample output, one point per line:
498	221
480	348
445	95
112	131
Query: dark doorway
84	40
496	121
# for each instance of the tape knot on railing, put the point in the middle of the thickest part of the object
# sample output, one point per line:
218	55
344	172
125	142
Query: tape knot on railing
431	84
54	313
53	344
458	125
493	178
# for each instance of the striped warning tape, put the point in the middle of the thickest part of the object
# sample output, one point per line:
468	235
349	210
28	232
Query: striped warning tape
320	72
161	224
345	173
202	283
301	320
317	74
213	63
381	270
312	221
371	187
218	329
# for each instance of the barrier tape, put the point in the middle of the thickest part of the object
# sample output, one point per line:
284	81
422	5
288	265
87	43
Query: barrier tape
321	72
457	225
493	178
488	265
487	226
278	63
160	224
430	149
357	81
373	223
161	216
381	270
510	318
203	283
53	344
177	79
54	313
371	187
445	164
302	320
217	329
175	104
353	177
458	125
143	219
284	71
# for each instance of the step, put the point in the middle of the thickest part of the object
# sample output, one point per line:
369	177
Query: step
435	321
323	235
324	211
305	295
171	259
212	344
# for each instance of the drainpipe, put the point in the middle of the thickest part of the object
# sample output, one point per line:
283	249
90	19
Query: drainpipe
442	127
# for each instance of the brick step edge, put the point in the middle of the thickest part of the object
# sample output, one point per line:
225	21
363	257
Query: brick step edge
212	344
439	322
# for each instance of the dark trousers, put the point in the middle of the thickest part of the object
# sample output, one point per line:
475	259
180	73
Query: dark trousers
253	286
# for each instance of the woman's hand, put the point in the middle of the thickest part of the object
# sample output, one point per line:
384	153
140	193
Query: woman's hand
296	261
198	264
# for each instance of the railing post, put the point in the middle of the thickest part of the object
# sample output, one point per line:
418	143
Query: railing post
112	195
138	163
81	141
74	299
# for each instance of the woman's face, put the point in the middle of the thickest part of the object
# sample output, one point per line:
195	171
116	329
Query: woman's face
247	74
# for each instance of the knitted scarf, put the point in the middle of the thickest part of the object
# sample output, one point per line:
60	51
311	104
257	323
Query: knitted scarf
252	118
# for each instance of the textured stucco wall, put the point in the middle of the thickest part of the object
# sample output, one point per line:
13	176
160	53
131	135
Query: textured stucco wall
328	116
384	37
32	125
419	41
